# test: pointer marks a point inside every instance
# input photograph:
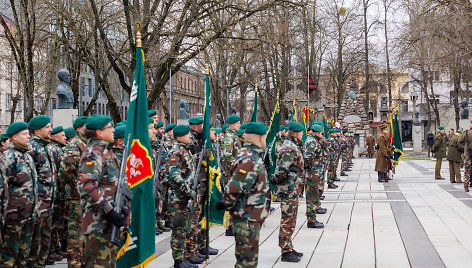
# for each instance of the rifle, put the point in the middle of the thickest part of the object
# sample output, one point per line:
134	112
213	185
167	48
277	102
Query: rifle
197	174
157	182
123	195
218	151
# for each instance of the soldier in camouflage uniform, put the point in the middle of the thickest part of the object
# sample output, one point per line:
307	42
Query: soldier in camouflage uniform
164	173
246	195
43	160
59	222
20	198
97	189
313	156
289	176
345	151
229	151
117	147
333	146
69	172
181	174
4	144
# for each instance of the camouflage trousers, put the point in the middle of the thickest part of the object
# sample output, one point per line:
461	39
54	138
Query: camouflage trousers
288	221
246	236
40	241
15	248
312	199
59	224
162	206
99	251
193	234
333	165
468	169
345	161
75	237
181	219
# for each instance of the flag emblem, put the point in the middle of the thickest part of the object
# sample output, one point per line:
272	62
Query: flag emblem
139	164
242	171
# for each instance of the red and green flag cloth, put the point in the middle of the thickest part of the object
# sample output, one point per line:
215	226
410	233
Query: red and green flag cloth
138	244
306	117
397	141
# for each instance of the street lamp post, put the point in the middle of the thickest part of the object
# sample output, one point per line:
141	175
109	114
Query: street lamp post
414	98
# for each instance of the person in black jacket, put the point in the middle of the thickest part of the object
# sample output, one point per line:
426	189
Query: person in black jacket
430	141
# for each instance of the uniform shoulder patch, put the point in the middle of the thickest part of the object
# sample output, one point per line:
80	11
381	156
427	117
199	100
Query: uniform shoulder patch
242	171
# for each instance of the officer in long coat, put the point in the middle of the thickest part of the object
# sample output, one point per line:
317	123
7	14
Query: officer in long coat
381	164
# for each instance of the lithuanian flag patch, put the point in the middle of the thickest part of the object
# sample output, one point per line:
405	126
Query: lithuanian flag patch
242	171
173	159
88	164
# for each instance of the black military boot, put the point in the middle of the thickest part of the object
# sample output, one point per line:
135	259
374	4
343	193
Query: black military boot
180	264
337	179
196	260
290	257
315	224
381	177
229	232
299	254
164	229
322	197
332	186
211	251
49	261
344	174
321	210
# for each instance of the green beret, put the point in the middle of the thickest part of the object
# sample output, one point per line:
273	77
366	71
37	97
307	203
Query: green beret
120	132
38	122
211	124
317	128
57	130
224	127
150	120
169	127
240	132
320	124
295	126
243	126
351	132
332	131
70	132
338	130
151	113
97	121
122	123
233	119
256	128
440	127
282	127
15	128
218	130
159	124
195	120
3	137
80	121
458	131
181	130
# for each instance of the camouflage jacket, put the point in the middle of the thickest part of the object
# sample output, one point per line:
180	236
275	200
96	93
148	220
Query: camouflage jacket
45	169
289	171
118	151
246	193
56	149
313	156
164	168
181	173
22	184
98	181
69	170
333	146
343	145
195	145
229	151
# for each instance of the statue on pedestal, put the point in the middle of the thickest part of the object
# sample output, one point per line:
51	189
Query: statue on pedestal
465	109
416	120
184	111
65	97
218	121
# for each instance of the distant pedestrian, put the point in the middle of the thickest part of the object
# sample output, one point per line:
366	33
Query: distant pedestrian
430	141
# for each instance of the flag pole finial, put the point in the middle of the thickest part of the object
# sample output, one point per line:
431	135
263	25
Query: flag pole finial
207	68
138	35
257	86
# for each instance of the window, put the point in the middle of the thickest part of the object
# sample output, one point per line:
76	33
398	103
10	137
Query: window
8	101
89	86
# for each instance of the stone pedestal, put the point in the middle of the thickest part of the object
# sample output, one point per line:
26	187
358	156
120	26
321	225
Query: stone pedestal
417	139
64	117
182	121
464	124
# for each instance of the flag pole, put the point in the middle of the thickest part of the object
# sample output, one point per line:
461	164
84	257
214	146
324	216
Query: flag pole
308	87
207	197
170	94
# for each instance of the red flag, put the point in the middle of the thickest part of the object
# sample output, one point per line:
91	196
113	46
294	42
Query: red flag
310	84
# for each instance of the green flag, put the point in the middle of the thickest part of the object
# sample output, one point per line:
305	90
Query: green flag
139	246
254	112
397	141
326	129
272	139
213	193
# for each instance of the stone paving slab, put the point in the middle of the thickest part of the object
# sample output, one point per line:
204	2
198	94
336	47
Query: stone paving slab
412	221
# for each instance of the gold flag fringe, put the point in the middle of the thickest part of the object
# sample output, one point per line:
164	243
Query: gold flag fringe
145	262
125	246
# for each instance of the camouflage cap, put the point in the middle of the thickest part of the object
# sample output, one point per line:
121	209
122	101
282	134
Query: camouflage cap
295	126
151	113
80	121
317	128
70	132
97	121
256	128
15	128
38	122
120	132
3	137
233	119
181	130
57	130
196	120
159	124
169	127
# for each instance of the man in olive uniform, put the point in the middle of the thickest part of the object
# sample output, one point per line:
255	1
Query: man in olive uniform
454	156
59	222
21	200
439	150
289	175
246	195
370	143
69	172
181	175
43	160
97	190
381	156
466	139
230	150
313	156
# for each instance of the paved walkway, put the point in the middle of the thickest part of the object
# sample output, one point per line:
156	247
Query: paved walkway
412	221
